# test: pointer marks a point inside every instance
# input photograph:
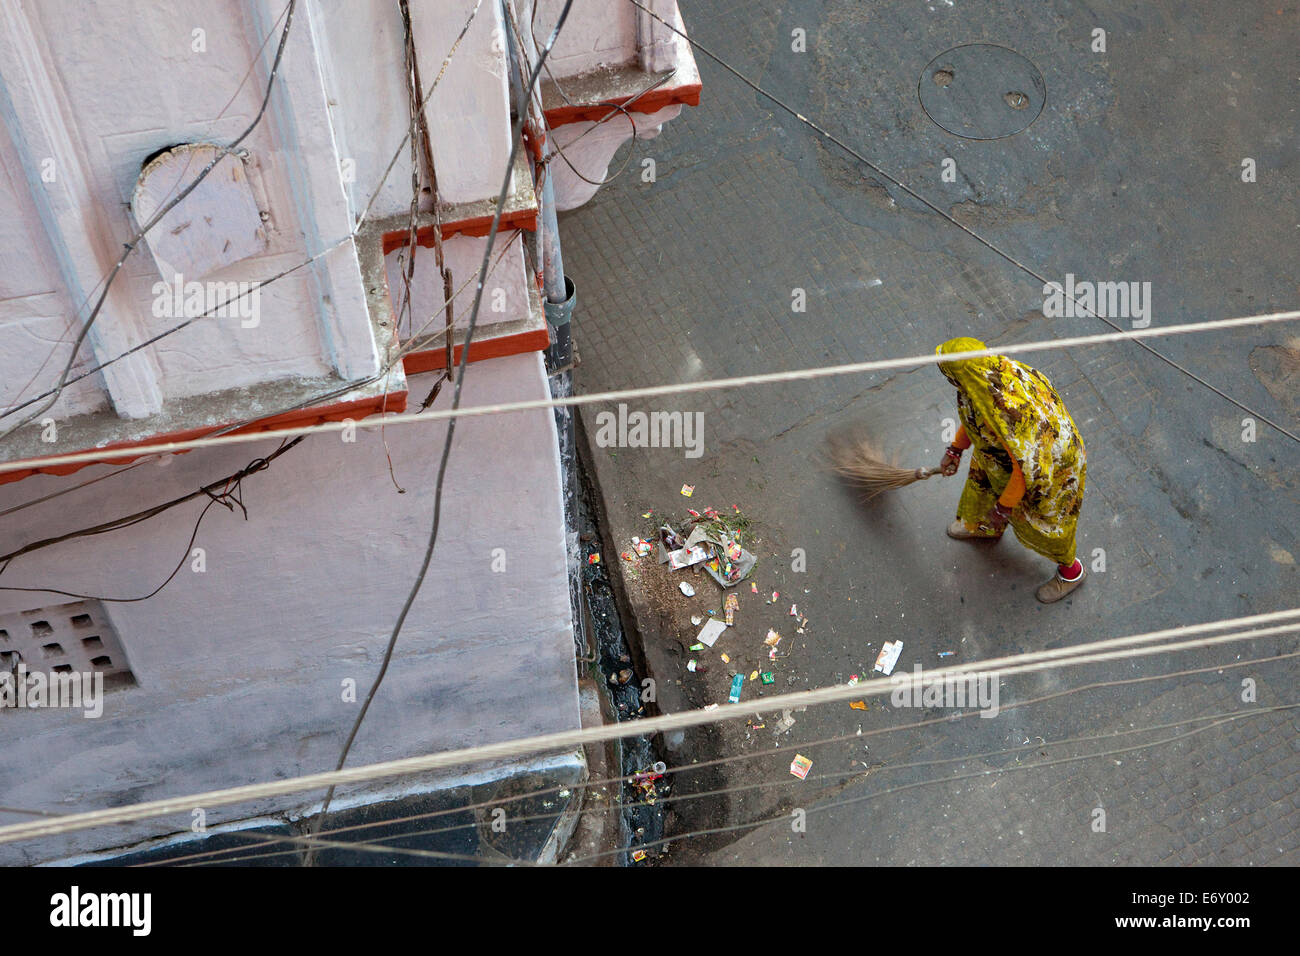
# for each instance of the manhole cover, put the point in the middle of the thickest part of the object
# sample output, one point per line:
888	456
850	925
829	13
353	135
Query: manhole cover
982	91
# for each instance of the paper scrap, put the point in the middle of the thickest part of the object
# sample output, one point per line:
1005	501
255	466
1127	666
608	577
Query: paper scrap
800	766
888	657
710	633
737	683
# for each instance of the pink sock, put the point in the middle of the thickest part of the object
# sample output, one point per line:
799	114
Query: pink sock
1070	572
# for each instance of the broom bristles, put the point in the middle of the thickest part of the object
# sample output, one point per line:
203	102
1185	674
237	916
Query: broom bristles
859	461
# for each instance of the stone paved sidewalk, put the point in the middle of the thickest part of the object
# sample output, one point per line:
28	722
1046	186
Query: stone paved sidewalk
1131	173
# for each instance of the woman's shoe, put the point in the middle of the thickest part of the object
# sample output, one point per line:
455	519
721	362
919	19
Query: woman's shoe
1058	587
959	531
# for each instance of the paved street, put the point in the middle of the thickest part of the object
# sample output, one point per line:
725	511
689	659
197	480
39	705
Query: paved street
1133	173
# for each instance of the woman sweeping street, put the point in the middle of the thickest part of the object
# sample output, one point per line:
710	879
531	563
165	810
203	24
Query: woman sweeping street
1027	461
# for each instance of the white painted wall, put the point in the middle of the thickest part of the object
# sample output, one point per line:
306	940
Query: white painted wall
598	33
35	308
96	87
240	667
505	291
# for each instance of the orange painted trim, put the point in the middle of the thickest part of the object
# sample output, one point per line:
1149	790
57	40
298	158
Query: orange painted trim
651	102
535	143
362	408
517	344
475	226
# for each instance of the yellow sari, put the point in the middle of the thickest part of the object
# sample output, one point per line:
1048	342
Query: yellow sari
1003	402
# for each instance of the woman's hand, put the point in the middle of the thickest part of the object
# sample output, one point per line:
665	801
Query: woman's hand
998	517
950	462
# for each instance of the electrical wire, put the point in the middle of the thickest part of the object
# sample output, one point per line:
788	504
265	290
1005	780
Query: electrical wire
451	424
222	153
77	487
844	778
151	512
996	771
350	237
680	388
681	770
179	178
210	490
988	244
1122	648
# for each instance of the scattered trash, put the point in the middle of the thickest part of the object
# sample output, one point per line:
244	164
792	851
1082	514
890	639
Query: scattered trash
768	677
945	653
639	855
726	659
858	704
688	490
710	706
731	566
710	633
670	540
697	619
627	556
753	675
621	677
784	724
593	559
732	606
697	647
772	638
642	547
644	780
853	680
771	655
690	665
794	610
737	683
753	586
686	589
800	766
775	595
646	514
888	657
685	557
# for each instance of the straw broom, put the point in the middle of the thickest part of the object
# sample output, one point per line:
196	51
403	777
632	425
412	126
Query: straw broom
857	459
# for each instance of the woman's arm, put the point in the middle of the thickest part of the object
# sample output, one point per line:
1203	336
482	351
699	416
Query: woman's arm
1015	489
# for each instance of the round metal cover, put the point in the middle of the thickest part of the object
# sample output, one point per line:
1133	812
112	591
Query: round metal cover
982	91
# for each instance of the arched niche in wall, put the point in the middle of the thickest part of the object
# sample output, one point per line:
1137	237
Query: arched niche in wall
216	225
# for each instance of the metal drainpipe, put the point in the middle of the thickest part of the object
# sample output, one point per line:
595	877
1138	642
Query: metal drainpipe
560	297
560	291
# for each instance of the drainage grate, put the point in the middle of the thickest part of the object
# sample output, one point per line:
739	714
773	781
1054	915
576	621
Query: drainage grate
982	91
65	639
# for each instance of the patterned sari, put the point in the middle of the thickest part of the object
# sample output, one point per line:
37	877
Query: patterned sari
1006	404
